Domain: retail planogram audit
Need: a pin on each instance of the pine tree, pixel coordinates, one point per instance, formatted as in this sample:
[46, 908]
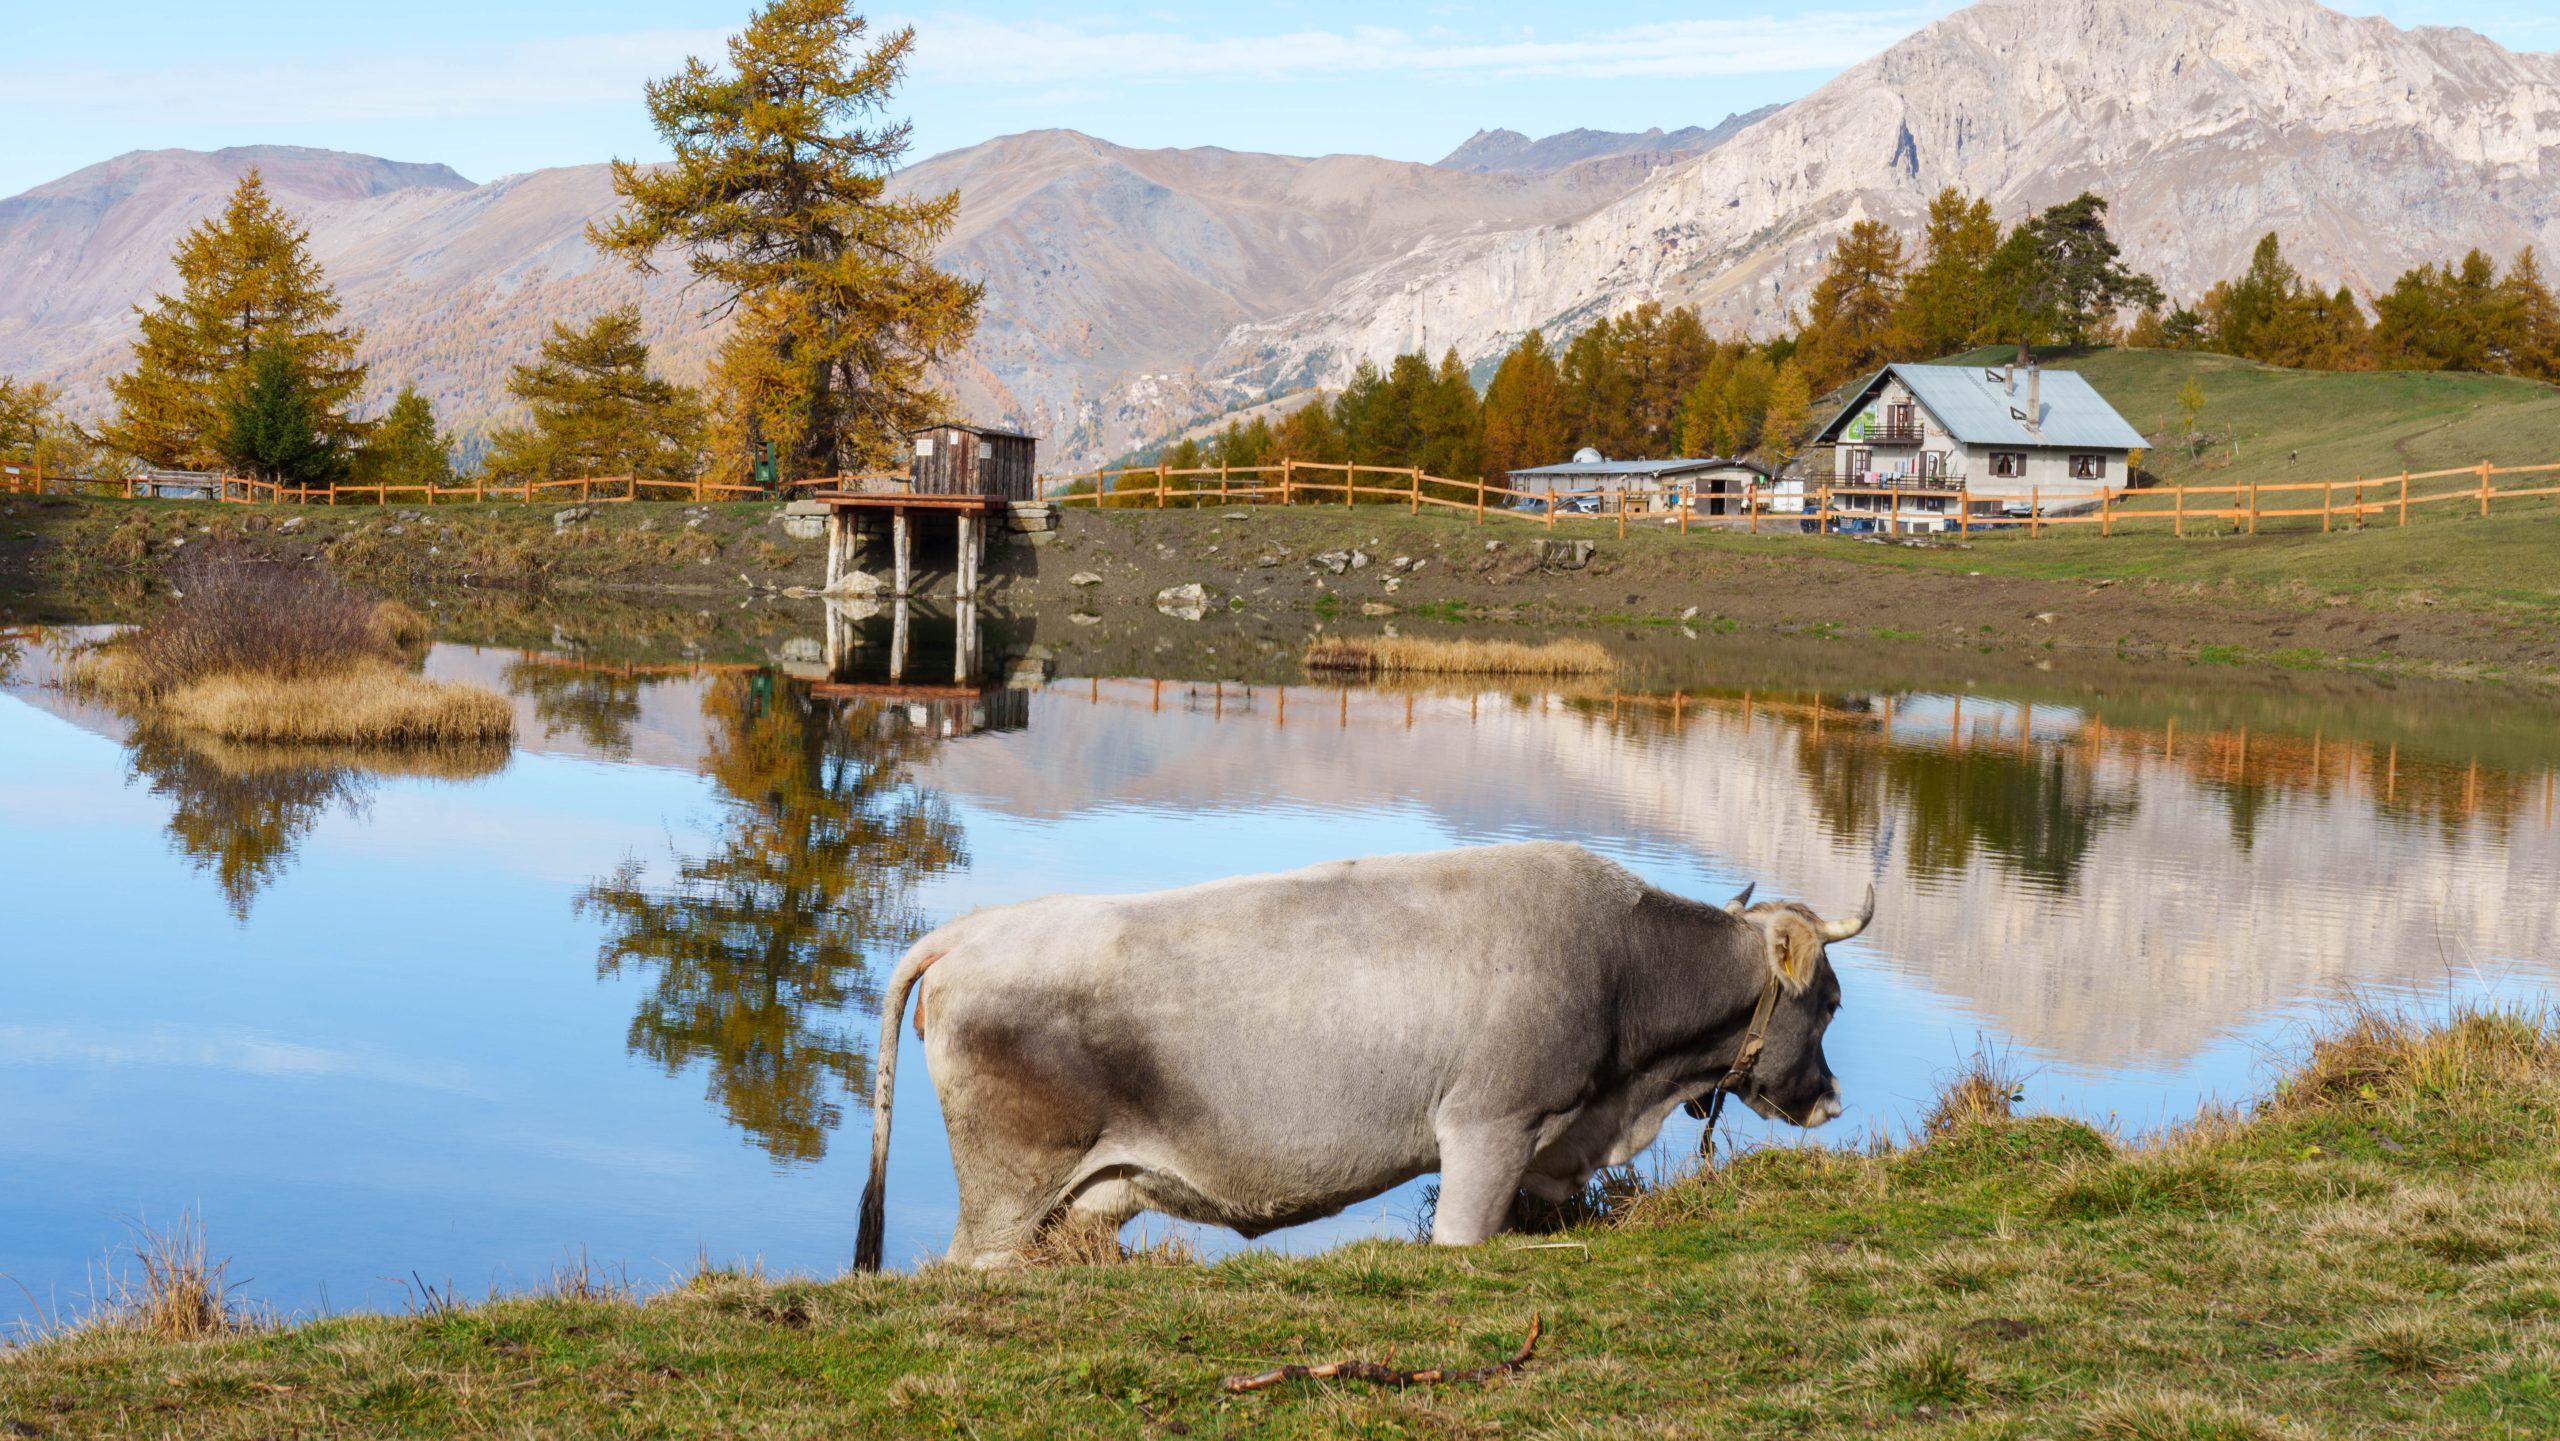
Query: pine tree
[2060, 276]
[1449, 423]
[273, 425]
[1524, 415]
[779, 197]
[1945, 304]
[597, 411]
[406, 448]
[2257, 317]
[246, 284]
[1849, 328]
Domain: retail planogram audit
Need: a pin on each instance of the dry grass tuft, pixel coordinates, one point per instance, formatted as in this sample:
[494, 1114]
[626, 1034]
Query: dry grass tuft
[399, 627]
[370, 704]
[1082, 1240]
[2179, 1416]
[247, 761]
[181, 1292]
[1409, 655]
[2378, 1054]
[1987, 1087]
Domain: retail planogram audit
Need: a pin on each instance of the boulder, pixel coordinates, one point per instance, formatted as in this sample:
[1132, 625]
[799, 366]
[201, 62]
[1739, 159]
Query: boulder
[290, 525]
[1184, 602]
[1562, 554]
[1359, 560]
[1084, 578]
[855, 583]
[568, 516]
[1336, 561]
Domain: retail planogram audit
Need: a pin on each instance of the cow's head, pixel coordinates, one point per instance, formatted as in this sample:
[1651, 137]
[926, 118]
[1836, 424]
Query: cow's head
[1793, 1080]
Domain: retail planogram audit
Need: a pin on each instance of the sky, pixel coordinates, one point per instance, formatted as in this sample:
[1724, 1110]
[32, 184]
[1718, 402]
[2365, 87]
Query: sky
[495, 87]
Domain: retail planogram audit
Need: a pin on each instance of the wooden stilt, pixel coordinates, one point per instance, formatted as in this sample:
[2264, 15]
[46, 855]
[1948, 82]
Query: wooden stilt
[901, 545]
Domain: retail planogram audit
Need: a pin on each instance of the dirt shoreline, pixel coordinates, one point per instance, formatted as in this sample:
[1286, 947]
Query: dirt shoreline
[1372, 567]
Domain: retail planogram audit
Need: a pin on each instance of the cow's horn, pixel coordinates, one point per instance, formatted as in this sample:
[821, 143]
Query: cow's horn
[1738, 902]
[1843, 930]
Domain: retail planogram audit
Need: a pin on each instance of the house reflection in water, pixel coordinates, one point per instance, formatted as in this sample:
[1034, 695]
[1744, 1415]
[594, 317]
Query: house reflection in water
[898, 653]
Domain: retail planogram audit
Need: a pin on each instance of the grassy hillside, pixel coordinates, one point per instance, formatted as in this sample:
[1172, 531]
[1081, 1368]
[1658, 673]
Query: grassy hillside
[2373, 1253]
[2339, 425]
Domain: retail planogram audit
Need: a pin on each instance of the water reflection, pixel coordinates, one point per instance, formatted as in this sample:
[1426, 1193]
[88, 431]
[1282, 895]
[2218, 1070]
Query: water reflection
[595, 704]
[761, 954]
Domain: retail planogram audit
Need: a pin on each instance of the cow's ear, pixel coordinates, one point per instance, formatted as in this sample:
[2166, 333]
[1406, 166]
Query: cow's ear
[1793, 948]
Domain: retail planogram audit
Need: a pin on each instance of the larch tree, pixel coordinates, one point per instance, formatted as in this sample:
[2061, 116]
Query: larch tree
[406, 448]
[597, 411]
[1790, 414]
[26, 409]
[2534, 317]
[1946, 304]
[778, 197]
[1524, 415]
[247, 283]
[1449, 423]
[1849, 326]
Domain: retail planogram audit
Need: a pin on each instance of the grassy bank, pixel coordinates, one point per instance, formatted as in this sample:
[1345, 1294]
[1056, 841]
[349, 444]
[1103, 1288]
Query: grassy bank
[2375, 1251]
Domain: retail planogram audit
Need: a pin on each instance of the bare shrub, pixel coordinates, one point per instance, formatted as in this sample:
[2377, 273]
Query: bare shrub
[237, 615]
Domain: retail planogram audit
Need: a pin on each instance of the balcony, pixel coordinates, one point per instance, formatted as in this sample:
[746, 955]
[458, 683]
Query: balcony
[1911, 434]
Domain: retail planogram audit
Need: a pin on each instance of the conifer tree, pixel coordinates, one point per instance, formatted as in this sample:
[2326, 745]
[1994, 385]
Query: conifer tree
[1706, 426]
[1946, 304]
[273, 427]
[597, 411]
[2060, 277]
[779, 198]
[246, 283]
[1524, 419]
[406, 448]
[25, 411]
[1309, 434]
[2534, 319]
[1449, 423]
[1849, 328]
[1790, 414]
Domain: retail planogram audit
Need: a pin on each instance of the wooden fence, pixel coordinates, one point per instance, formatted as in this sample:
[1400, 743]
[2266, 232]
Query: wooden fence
[29, 479]
[2242, 508]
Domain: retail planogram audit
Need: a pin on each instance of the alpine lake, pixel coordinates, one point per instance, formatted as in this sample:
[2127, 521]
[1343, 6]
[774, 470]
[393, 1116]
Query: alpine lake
[392, 1024]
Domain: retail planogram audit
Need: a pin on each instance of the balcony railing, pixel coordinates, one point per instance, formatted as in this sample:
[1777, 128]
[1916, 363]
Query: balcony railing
[1896, 434]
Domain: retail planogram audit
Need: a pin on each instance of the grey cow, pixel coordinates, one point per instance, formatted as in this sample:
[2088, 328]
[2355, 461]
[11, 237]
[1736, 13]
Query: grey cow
[1263, 1051]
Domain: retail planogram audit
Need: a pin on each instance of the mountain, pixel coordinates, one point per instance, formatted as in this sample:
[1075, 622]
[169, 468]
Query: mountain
[2206, 123]
[1513, 152]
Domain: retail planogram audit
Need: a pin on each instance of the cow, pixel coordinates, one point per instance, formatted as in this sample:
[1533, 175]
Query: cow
[1263, 1051]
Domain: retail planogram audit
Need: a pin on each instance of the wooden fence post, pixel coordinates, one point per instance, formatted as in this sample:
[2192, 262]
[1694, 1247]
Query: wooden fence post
[1964, 510]
[2035, 510]
[1288, 478]
[2404, 497]
[2359, 502]
[2253, 507]
[1222, 482]
[1622, 512]
[2328, 491]
[2106, 514]
[1415, 472]
[1479, 497]
[2484, 490]
[1349, 475]
[1751, 506]
[1822, 526]
[1685, 501]
[2178, 525]
[1160, 483]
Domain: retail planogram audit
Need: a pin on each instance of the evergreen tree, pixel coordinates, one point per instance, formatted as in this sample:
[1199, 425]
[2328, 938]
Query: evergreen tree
[2150, 330]
[1706, 421]
[1945, 302]
[25, 411]
[2259, 316]
[2060, 277]
[273, 425]
[406, 448]
[246, 284]
[1309, 434]
[2535, 317]
[1849, 330]
[597, 411]
[1599, 393]
[1241, 446]
[1449, 423]
[779, 196]
[1524, 410]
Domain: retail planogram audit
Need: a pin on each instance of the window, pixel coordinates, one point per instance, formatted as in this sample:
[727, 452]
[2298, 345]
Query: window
[2088, 467]
[1860, 462]
[2008, 465]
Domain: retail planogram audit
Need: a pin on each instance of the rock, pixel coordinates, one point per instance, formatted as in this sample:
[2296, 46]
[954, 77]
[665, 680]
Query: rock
[694, 524]
[1359, 560]
[1238, 515]
[1492, 545]
[1336, 561]
[818, 508]
[856, 582]
[395, 529]
[1184, 602]
[1085, 617]
[1400, 562]
[1690, 614]
[1376, 607]
[855, 609]
[290, 525]
[1084, 577]
[2047, 617]
[1418, 565]
[1266, 560]
[571, 515]
[648, 523]
[1562, 554]
[798, 527]
[1394, 584]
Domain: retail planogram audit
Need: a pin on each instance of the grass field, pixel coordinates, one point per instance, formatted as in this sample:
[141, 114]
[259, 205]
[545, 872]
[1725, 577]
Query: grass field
[2375, 1251]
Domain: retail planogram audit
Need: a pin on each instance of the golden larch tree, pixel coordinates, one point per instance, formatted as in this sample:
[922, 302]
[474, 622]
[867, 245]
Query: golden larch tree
[779, 199]
[247, 283]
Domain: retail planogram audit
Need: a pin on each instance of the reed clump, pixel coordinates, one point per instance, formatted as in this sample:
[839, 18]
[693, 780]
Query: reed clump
[280, 654]
[1366, 655]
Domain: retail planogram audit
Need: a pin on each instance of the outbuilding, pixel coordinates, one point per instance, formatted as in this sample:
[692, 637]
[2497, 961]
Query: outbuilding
[1913, 439]
[1711, 485]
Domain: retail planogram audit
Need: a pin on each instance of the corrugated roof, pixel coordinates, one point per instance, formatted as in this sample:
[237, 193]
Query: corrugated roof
[1576, 469]
[1976, 407]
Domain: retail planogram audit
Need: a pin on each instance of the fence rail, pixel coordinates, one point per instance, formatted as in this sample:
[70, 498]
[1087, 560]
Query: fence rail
[1824, 508]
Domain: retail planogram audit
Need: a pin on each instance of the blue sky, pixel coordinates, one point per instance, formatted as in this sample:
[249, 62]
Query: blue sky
[493, 87]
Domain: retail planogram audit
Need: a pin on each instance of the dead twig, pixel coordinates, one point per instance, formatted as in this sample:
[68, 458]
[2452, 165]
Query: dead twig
[1377, 1375]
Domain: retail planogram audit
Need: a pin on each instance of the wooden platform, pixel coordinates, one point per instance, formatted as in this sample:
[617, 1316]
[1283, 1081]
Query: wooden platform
[969, 515]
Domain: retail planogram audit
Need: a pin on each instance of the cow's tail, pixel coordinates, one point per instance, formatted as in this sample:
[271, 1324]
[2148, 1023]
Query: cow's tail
[884, 1075]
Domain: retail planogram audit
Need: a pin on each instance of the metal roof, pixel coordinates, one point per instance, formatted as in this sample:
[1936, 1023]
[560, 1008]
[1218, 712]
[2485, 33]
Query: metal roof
[1977, 407]
[1584, 469]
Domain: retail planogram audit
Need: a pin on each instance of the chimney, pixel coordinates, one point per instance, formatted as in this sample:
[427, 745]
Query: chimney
[2035, 397]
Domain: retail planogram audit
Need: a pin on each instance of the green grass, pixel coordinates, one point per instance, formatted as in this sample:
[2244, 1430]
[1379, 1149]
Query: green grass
[2374, 1252]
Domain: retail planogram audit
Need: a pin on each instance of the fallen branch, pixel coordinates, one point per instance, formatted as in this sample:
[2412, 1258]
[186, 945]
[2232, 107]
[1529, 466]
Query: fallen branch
[1377, 1375]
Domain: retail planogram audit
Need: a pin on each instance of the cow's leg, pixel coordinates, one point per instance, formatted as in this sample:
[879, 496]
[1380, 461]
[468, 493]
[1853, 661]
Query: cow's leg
[1003, 1204]
[1481, 1168]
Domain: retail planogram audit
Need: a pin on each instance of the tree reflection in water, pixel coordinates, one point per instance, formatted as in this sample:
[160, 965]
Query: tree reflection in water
[241, 811]
[759, 954]
[2038, 814]
[598, 705]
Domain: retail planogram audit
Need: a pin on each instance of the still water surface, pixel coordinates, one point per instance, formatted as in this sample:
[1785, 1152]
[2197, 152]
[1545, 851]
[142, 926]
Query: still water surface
[615, 988]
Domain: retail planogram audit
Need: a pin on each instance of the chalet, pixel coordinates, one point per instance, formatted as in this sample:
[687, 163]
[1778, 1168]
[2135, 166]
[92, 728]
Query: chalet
[1915, 441]
[1712, 485]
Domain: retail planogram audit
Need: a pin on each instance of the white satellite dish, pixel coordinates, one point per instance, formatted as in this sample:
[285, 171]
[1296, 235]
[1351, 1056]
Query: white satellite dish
[1588, 456]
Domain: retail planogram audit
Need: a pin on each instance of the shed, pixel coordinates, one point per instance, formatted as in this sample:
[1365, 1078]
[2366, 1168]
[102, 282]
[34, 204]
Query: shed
[974, 460]
[1714, 485]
